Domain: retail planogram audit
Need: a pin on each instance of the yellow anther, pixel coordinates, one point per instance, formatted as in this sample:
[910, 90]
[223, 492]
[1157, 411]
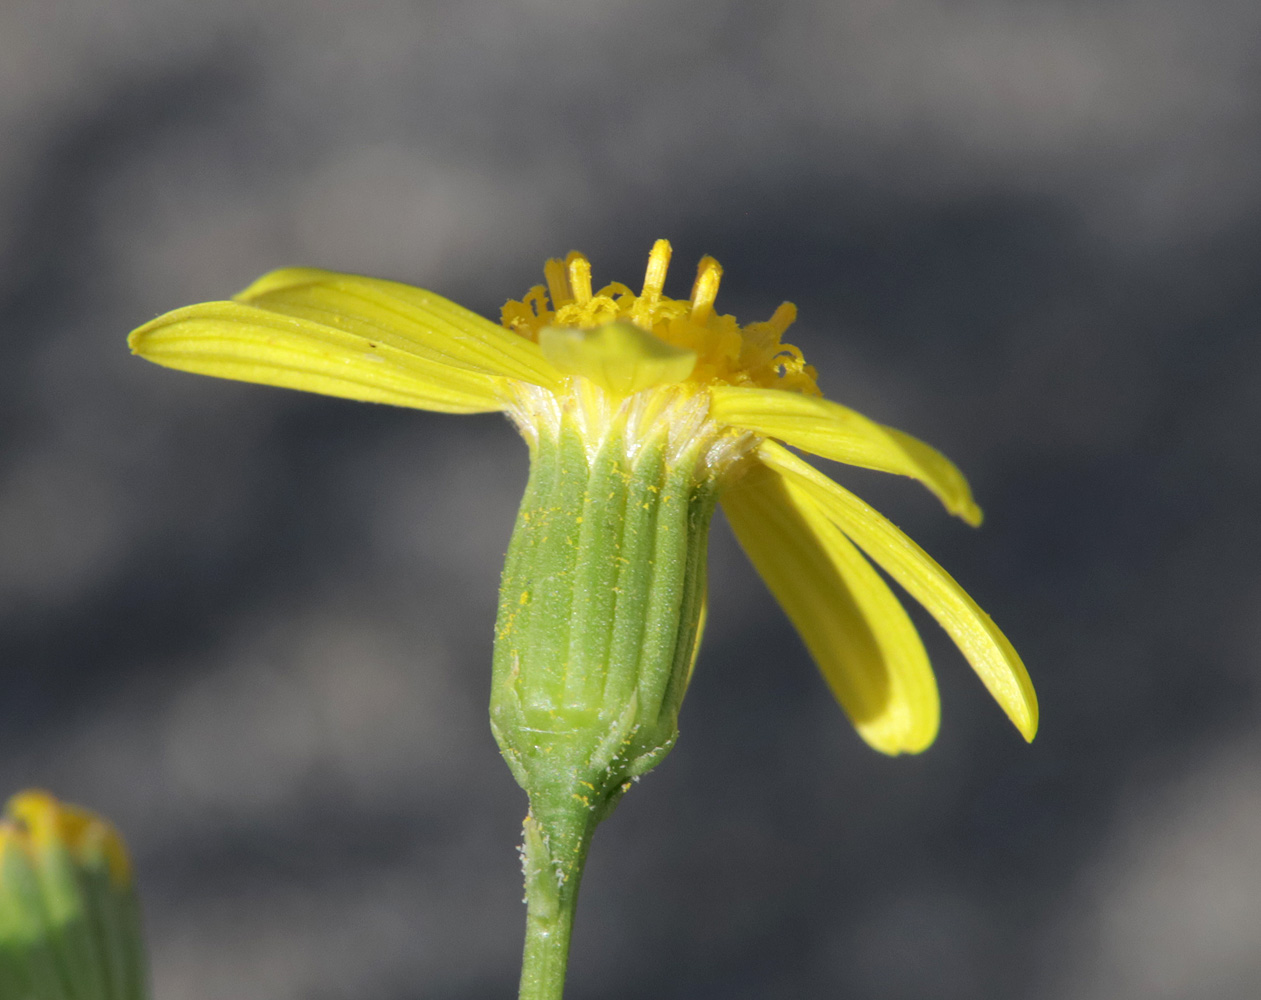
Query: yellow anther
[705, 289]
[554, 272]
[578, 269]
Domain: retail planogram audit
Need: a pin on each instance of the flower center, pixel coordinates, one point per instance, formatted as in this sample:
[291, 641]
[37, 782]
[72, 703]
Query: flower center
[724, 352]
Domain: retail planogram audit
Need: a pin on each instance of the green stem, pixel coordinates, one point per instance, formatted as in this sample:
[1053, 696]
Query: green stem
[553, 854]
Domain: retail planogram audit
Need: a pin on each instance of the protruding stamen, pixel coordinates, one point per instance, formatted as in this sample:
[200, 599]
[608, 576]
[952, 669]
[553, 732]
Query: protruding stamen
[705, 289]
[654, 281]
[557, 283]
[579, 270]
[782, 319]
[655, 278]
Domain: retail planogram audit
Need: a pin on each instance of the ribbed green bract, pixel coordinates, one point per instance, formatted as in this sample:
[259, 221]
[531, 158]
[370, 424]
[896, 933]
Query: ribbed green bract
[600, 612]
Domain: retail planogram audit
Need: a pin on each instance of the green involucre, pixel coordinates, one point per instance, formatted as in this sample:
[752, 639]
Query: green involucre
[600, 608]
[600, 612]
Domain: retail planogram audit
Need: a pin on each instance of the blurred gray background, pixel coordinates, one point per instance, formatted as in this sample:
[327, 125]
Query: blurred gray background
[254, 626]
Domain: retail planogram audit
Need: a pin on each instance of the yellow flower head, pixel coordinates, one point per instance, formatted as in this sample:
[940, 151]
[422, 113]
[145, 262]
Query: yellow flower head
[616, 365]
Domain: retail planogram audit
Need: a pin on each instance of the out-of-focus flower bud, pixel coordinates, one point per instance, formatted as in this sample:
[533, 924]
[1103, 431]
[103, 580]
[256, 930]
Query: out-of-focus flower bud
[69, 921]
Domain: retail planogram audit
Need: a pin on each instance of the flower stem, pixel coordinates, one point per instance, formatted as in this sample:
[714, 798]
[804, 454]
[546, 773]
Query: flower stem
[554, 851]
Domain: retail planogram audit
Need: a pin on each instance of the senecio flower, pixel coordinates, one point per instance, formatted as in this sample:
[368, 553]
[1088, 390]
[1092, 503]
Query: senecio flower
[642, 413]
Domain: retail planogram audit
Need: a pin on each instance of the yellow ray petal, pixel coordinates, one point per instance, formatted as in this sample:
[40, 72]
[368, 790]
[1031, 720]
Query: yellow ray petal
[830, 430]
[978, 638]
[404, 316]
[855, 628]
[701, 622]
[233, 340]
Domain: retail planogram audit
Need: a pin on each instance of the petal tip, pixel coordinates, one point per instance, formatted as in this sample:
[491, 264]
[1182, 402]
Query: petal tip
[1022, 708]
[1029, 726]
[137, 340]
[1019, 701]
[914, 732]
[908, 743]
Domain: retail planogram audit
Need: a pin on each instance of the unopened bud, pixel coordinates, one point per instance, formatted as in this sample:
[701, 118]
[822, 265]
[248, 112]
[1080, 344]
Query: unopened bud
[69, 920]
